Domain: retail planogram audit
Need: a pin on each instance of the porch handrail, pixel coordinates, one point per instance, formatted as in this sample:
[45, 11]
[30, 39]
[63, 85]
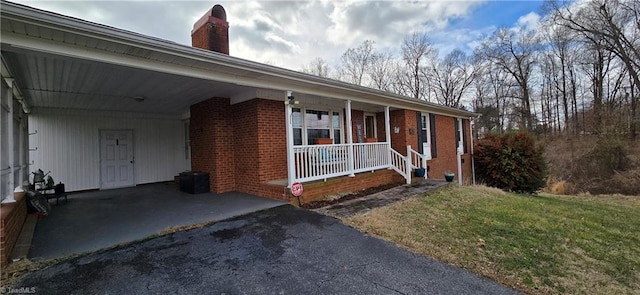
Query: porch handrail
[399, 164]
[417, 160]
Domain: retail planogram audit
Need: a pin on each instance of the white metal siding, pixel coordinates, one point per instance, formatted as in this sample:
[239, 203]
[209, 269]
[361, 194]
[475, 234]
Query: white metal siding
[68, 145]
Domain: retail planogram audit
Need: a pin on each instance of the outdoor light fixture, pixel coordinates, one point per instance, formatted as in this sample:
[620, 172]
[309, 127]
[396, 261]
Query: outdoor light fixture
[290, 99]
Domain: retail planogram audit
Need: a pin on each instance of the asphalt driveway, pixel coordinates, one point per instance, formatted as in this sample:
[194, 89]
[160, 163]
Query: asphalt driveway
[283, 250]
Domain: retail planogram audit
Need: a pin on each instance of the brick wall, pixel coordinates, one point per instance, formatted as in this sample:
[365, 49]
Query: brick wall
[318, 190]
[212, 142]
[260, 145]
[272, 140]
[446, 159]
[13, 216]
[408, 135]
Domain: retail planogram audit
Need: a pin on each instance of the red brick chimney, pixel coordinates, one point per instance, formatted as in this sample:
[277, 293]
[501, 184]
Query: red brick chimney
[211, 31]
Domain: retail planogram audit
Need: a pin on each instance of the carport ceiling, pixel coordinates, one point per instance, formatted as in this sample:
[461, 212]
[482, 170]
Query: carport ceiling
[55, 81]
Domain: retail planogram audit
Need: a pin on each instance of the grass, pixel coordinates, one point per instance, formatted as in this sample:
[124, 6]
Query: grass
[537, 244]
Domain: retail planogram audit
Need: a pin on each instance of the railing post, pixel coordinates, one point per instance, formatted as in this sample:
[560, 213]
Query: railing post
[350, 158]
[407, 173]
[424, 165]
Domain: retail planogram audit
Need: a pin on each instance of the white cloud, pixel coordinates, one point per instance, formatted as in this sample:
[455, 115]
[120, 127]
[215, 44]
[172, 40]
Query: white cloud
[292, 33]
[529, 21]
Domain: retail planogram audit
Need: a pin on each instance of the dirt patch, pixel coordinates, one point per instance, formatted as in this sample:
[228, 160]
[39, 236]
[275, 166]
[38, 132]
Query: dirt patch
[351, 196]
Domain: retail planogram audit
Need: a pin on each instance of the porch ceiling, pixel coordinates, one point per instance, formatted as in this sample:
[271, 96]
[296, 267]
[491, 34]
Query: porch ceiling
[56, 81]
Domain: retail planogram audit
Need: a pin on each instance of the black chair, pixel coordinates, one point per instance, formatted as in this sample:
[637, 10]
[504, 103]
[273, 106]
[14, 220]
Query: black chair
[59, 192]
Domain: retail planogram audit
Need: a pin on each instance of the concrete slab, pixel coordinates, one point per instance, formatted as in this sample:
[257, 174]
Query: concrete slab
[283, 250]
[365, 204]
[94, 220]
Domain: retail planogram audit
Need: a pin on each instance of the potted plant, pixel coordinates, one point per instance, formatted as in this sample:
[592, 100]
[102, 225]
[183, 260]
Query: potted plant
[419, 172]
[448, 176]
[324, 141]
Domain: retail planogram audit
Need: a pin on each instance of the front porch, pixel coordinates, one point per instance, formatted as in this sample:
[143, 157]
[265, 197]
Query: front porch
[355, 140]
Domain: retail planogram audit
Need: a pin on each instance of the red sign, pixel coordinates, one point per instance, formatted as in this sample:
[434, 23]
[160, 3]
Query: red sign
[296, 189]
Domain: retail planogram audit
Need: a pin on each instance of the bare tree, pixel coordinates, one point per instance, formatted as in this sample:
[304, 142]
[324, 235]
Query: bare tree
[514, 52]
[383, 71]
[596, 63]
[318, 66]
[451, 77]
[416, 51]
[493, 89]
[562, 49]
[613, 24]
[356, 62]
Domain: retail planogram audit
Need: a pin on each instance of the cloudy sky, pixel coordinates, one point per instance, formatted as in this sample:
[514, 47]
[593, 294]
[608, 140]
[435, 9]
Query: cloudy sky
[291, 33]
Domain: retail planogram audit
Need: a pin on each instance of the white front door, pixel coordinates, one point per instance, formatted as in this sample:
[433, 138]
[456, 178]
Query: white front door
[116, 159]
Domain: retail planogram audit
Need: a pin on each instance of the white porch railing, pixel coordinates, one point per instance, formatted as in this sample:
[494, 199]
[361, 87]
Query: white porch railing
[370, 156]
[399, 164]
[417, 160]
[315, 162]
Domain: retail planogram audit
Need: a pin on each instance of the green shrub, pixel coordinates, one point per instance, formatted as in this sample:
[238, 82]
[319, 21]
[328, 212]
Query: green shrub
[511, 162]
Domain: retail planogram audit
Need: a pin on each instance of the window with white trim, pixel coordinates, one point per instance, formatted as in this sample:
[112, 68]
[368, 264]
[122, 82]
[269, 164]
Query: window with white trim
[312, 124]
[425, 135]
[370, 126]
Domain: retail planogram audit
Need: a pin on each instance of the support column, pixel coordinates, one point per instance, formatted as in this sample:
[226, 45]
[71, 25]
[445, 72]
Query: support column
[387, 128]
[12, 159]
[460, 150]
[349, 138]
[291, 164]
[473, 165]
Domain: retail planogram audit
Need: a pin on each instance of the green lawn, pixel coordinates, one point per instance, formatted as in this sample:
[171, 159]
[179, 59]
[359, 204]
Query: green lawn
[536, 244]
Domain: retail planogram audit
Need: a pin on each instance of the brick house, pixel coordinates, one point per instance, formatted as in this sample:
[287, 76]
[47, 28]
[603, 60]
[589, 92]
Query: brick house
[104, 108]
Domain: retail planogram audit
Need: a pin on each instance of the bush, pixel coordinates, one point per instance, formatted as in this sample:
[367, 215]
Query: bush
[512, 162]
[607, 168]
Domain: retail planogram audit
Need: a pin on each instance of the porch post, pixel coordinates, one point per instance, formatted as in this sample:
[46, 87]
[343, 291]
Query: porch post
[291, 169]
[387, 129]
[460, 150]
[349, 138]
[11, 132]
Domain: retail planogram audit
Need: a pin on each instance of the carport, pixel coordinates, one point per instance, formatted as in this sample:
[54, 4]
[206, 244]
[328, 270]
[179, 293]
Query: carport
[101, 219]
[87, 89]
